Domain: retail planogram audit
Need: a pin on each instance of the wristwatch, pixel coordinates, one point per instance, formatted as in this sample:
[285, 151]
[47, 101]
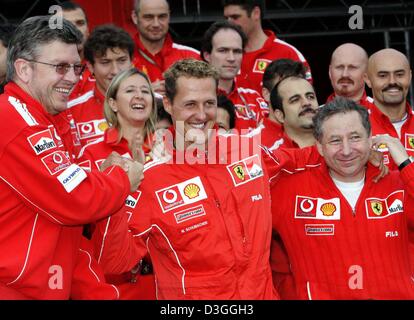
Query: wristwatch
[405, 163]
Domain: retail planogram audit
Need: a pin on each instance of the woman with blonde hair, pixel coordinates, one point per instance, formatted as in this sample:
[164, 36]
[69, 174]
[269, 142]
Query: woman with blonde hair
[130, 110]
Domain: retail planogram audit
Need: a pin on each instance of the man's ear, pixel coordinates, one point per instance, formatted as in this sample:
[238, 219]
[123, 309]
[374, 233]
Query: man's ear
[207, 56]
[256, 13]
[23, 70]
[279, 116]
[167, 105]
[366, 79]
[90, 66]
[319, 147]
[266, 94]
[134, 17]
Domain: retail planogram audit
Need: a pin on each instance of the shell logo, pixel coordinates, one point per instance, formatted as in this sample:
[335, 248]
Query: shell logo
[192, 190]
[103, 126]
[328, 209]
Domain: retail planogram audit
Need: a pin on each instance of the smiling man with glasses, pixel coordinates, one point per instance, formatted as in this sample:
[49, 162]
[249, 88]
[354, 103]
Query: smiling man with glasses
[45, 197]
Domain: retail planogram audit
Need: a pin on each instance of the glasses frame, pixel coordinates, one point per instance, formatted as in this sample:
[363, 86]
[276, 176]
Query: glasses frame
[63, 68]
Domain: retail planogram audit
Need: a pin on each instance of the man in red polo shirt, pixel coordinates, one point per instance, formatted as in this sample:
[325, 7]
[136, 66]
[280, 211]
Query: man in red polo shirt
[347, 71]
[346, 236]
[155, 50]
[222, 47]
[262, 47]
[389, 77]
[108, 51]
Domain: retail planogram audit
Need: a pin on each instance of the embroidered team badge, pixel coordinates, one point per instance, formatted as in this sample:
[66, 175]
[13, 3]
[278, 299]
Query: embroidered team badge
[260, 65]
[245, 170]
[317, 208]
[238, 170]
[377, 208]
[409, 142]
[181, 194]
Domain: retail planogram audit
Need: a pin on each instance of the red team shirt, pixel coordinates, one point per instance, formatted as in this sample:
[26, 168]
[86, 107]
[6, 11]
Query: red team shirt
[327, 241]
[155, 65]
[87, 111]
[255, 62]
[201, 223]
[51, 223]
[249, 105]
[381, 124]
[131, 286]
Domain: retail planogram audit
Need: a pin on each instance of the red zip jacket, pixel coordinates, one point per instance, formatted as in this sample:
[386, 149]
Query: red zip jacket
[338, 253]
[207, 227]
[255, 62]
[86, 83]
[88, 112]
[45, 198]
[130, 285]
[155, 65]
[365, 101]
[381, 124]
[249, 105]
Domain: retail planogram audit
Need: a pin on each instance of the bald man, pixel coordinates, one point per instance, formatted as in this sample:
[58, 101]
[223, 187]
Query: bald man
[347, 71]
[154, 49]
[389, 77]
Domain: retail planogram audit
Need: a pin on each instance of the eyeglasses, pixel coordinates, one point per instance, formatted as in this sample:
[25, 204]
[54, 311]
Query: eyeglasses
[63, 68]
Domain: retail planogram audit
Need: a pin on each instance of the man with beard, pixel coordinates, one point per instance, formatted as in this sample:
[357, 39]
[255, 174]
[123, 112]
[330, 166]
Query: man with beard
[293, 104]
[154, 49]
[389, 77]
[347, 70]
[223, 46]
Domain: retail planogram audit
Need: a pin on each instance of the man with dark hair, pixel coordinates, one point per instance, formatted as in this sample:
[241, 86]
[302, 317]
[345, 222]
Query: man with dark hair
[45, 196]
[278, 70]
[262, 46]
[222, 47]
[204, 215]
[108, 50]
[293, 103]
[346, 236]
[155, 50]
[74, 13]
[6, 31]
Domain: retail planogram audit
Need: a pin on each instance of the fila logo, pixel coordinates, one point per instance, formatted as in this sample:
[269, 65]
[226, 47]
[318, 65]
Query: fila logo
[391, 234]
[42, 141]
[257, 197]
[181, 194]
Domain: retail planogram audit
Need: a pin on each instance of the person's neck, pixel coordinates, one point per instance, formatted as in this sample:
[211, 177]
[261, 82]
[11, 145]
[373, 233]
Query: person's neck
[152, 46]
[131, 133]
[2, 79]
[394, 113]
[226, 85]
[256, 40]
[303, 138]
[357, 178]
[354, 97]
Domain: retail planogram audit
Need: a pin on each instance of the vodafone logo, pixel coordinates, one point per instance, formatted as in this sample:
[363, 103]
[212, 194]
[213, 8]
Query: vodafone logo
[86, 128]
[57, 158]
[169, 196]
[307, 205]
